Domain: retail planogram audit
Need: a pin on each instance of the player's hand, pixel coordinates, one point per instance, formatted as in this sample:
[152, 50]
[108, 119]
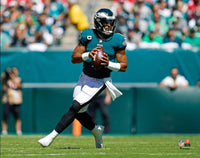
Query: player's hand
[93, 52]
[105, 60]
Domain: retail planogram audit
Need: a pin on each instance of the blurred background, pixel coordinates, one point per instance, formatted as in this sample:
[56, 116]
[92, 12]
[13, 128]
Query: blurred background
[38, 37]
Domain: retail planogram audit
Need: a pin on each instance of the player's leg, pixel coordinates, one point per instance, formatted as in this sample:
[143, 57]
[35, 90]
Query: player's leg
[84, 95]
[92, 109]
[65, 121]
[68, 117]
[79, 104]
[97, 130]
[86, 120]
[6, 111]
[16, 114]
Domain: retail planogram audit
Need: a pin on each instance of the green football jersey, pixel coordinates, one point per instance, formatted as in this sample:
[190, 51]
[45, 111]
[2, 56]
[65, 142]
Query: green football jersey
[91, 40]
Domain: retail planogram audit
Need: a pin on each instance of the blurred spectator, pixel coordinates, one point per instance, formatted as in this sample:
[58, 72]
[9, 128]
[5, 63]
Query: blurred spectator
[151, 40]
[174, 80]
[178, 22]
[122, 26]
[2, 9]
[143, 24]
[11, 98]
[76, 16]
[178, 32]
[42, 25]
[36, 6]
[5, 39]
[182, 8]
[8, 25]
[39, 43]
[52, 17]
[170, 40]
[119, 6]
[134, 36]
[144, 11]
[54, 8]
[46, 29]
[156, 8]
[57, 16]
[14, 11]
[191, 40]
[158, 24]
[193, 8]
[164, 11]
[19, 38]
[27, 13]
[31, 28]
[101, 102]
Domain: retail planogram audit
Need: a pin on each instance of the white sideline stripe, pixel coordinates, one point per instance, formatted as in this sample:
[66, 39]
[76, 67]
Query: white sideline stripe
[71, 85]
[48, 85]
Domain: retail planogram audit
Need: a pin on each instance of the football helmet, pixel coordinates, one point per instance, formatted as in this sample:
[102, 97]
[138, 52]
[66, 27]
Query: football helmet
[105, 17]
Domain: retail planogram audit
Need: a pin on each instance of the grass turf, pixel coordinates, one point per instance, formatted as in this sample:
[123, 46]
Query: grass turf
[140, 146]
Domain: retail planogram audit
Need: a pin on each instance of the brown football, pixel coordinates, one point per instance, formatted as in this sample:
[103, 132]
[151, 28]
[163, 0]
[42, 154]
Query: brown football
[97, 59]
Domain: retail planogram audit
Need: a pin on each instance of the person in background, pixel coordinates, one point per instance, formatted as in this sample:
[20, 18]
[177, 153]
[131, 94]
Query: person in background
[174, 80]
[151, 40]
[170, 37]
[77, 16]
[11, 98]
[8, 25]
[46, 29]
[5, 39]
[19, 38]
[122, 26]
[39, 43]
[158, 24]
[192, 39]
[170, 40]
[101, 102]
[134, 36]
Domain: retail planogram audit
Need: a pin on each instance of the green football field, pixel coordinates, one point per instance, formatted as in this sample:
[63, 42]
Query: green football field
[67, 146]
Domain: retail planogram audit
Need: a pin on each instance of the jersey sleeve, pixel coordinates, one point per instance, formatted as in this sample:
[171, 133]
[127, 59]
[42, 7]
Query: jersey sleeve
[121, 42]
[83, 37]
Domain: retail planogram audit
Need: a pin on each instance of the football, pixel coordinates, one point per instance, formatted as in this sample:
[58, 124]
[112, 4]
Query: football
[97, 59]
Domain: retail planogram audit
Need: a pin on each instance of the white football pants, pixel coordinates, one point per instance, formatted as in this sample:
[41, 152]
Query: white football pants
[86, 88]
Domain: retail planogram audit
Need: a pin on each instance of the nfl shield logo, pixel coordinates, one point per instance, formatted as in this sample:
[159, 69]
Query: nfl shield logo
[181, 143]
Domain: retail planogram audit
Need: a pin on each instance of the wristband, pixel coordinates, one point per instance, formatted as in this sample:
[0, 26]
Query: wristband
[114, 66]
[85, 56]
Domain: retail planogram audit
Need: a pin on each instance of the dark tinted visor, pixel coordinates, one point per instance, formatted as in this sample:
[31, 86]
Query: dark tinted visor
[105, 21]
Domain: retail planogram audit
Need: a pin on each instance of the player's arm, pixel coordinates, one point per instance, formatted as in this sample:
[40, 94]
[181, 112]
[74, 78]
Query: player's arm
[79, 54]
[122, 59]
[121, 64]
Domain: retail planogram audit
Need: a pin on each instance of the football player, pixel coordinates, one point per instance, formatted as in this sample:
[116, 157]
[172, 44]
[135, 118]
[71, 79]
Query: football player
[92, 81]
